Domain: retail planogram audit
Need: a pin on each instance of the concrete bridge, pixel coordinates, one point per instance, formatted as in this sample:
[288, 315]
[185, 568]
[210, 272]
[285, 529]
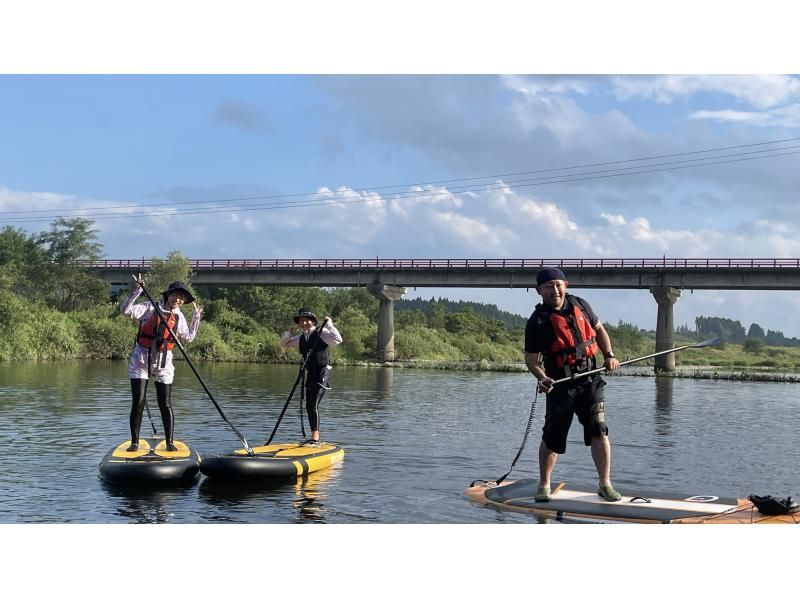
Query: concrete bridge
[387, 279]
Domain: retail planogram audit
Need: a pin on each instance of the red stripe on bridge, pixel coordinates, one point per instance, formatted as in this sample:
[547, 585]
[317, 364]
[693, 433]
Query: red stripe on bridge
[433, 263]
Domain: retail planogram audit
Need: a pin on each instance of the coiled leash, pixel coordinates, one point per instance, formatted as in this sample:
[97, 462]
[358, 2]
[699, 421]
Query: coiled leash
[528, 428]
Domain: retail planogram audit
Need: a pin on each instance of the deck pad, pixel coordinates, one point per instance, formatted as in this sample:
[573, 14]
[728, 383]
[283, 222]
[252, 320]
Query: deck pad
[635, 504]
[122, 452]
[287, 450]
[182, 453]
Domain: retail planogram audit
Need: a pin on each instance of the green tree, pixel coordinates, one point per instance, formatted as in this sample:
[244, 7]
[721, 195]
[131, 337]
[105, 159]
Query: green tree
[463, 323]
[358, 333]
[69, 286]
[728, 330]
[23, 263]
[436, 315]
[163, 272]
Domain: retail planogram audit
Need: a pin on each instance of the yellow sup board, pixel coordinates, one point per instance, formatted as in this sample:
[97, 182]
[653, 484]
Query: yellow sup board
[271, 461]
[151, 464]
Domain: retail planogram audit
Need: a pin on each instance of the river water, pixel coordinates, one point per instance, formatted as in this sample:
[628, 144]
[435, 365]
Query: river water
[413, 439]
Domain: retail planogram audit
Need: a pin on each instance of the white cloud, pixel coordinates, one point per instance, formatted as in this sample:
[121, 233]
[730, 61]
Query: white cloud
[349, 216]
[473, 235]
[404, 204]
[761, 91]
[731, 116]
[23, 201]
[546, 85]
[558, 114]
[786, 116]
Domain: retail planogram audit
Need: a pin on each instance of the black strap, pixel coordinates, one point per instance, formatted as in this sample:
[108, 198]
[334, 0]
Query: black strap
[524, 438]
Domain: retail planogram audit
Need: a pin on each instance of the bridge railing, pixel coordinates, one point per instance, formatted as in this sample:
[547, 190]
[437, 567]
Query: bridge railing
[429, 263]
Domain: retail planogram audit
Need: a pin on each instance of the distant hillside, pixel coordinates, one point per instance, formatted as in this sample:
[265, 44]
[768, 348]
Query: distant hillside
[486, 311]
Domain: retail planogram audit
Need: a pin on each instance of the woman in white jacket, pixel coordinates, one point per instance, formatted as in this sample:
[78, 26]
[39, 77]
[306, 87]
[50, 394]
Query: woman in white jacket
[152, 352]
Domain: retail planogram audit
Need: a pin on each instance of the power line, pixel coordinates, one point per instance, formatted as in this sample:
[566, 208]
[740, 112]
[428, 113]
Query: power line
[439, 182]
[578, 177]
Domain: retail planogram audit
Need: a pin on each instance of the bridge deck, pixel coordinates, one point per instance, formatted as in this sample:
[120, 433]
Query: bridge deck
[609, 273]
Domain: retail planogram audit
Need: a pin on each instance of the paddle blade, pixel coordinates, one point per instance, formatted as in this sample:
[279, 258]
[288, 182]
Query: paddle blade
[709, 343]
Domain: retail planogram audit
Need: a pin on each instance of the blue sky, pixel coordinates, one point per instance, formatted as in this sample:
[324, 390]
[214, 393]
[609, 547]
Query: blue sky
[111, 136]
[100, 141]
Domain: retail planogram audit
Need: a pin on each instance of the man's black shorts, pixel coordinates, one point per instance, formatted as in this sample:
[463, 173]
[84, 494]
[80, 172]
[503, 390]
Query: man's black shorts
[584, 398]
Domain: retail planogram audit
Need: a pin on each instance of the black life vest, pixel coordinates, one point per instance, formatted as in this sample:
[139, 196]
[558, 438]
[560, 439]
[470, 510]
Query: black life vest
[319, 356]
[574, 341]
[152, 330]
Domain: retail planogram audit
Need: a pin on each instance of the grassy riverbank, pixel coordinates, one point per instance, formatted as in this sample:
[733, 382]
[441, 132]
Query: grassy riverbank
[460, 341]
[50, 309]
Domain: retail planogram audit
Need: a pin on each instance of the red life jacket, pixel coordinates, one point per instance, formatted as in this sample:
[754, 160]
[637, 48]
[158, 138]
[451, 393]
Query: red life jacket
[575, 339]
[153, 329]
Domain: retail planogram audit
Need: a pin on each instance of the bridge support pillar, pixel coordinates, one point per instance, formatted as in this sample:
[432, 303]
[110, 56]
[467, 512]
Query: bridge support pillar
[387, 294]
[666, 298]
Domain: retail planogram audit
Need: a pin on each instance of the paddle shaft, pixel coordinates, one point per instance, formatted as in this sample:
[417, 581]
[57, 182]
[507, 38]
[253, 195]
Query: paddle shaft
[629, 361]
[296, 382]
[191, 365]
[150, 417]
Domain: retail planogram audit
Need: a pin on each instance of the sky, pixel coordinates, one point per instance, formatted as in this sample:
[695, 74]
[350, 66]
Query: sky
[417, 166]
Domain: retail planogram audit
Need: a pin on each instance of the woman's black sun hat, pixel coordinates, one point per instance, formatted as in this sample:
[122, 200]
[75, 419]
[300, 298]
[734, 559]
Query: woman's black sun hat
[304, 312]
[178, 286]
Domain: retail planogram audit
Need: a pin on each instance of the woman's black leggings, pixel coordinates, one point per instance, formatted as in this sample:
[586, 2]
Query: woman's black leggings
[317, 382]
[164, 395]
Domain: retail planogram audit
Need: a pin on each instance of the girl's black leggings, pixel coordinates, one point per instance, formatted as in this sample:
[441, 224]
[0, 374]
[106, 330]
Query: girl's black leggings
[317, 382]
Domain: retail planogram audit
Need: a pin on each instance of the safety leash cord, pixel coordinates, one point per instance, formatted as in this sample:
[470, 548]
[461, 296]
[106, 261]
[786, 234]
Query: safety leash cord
[521, 448]
[524, 438]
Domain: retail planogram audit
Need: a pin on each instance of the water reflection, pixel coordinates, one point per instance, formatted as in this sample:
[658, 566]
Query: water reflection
[385, 382]
[308, 494]
[143, 506]
[664, 403]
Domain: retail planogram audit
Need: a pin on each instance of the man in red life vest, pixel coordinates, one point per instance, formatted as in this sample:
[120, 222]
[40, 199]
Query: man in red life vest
[562, 338]
[152, 352]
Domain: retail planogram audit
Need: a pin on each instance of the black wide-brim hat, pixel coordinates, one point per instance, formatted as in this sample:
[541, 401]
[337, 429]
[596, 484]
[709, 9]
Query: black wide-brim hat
[304, 312]
[178, 286]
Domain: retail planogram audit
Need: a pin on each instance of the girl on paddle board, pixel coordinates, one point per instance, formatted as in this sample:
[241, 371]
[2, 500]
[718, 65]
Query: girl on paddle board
[313, 344]
[152, 351]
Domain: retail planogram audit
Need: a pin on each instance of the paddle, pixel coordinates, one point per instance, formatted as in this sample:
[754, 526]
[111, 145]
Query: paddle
[191, 365]
[150, 417]
[707, 343]
[296, 382]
